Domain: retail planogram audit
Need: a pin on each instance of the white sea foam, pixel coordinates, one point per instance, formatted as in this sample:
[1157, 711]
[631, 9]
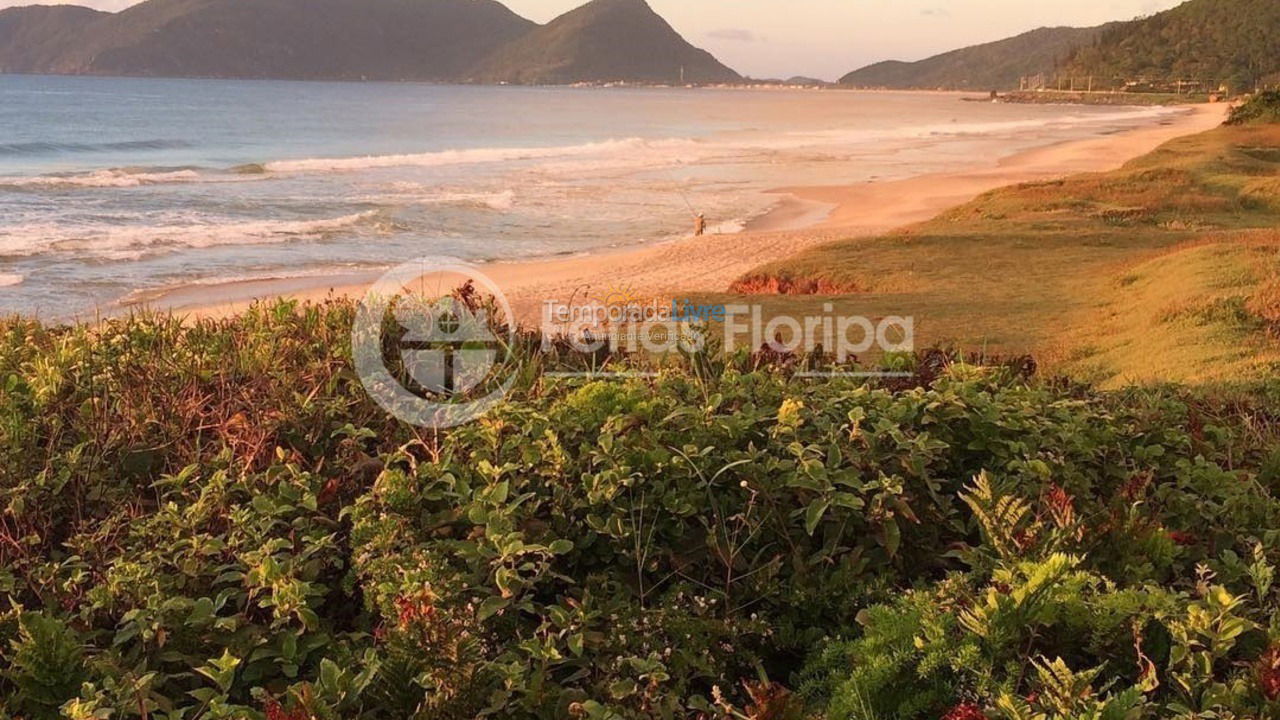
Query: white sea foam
[953, 129]
[135, 177]
[636, 148]
[120, 178]
[144, 295]
[412, 192]
[631, 152]
[112, 242]
[833, 144]
[728, 227]
[494, 201]
[10, 279]
[473, 156]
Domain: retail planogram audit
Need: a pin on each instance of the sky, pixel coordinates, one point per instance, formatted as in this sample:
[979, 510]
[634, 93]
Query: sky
[828, 38]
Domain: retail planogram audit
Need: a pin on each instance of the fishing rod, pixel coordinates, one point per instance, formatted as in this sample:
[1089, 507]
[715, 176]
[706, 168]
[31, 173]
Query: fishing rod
[680, 189]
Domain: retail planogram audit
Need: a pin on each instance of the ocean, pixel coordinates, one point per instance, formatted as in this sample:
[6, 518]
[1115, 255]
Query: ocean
[113, 188]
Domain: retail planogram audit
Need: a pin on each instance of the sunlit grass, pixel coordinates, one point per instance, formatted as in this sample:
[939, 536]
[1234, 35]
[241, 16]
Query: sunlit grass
[1058, 268]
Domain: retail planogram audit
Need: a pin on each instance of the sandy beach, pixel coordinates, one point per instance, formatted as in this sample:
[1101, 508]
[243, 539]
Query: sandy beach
[805, 216]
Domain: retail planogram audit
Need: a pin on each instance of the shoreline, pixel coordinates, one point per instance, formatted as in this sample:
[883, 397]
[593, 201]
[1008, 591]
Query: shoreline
[804, 216]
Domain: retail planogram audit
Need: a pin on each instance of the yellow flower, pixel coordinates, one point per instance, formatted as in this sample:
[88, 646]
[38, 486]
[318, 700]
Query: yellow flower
[789, 413]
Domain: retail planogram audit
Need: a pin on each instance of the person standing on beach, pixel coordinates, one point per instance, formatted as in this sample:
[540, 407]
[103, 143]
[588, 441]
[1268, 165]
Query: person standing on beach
[699, 224]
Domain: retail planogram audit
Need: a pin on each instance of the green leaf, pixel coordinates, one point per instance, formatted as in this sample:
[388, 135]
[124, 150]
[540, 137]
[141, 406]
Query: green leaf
[221, 670]
[329, 674]
[813, 514]
[500, 492]
[505, 579]
[848, 500]
[201, 611]
[892, 536]
[490, 607]
[622, 688]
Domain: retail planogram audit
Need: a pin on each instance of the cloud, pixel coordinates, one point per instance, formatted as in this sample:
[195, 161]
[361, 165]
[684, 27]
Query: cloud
[935, 12]
[736, 34]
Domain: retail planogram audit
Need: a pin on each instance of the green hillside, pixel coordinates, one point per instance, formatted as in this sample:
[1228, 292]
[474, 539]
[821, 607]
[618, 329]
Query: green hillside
[604, 40]
[1235, 42]
[32, 37]
[300, 39]
[433, 40]
[991, 66]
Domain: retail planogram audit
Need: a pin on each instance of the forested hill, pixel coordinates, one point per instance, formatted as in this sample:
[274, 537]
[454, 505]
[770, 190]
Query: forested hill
[433, 40]
[603, 40]
[32, 38]
[295, 39]
[1236, 42]
[991, 66]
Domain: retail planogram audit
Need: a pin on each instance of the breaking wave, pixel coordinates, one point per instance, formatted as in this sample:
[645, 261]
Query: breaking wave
[472, 156]
[418, 193]
[128, 243]
[632, 151]
[116, 178]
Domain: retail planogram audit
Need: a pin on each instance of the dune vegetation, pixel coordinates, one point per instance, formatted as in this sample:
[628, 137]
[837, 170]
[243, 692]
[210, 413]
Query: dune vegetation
[213, 520]
[1163, 270]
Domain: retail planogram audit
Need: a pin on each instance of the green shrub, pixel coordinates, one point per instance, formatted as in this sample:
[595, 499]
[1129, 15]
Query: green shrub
[1042, 635]
[46, 665]
[1264, 107]
[214, 520]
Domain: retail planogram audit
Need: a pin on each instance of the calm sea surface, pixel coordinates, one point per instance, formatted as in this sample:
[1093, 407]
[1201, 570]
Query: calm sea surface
[113, 186]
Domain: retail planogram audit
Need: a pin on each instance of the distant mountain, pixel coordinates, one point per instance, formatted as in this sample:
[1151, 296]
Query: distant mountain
[1211, 41]
[32, 38]
[604, 40]
[991, 66]
[304, 39]
[804, 80]
[434, 40]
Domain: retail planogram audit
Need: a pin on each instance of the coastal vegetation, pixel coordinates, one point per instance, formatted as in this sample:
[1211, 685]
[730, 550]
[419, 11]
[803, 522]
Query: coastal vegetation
[1205, 42]
[1085, 97]
[1162, 270]
[212, 519]
[1198, 47]
[998, 65]
[1263, 108]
